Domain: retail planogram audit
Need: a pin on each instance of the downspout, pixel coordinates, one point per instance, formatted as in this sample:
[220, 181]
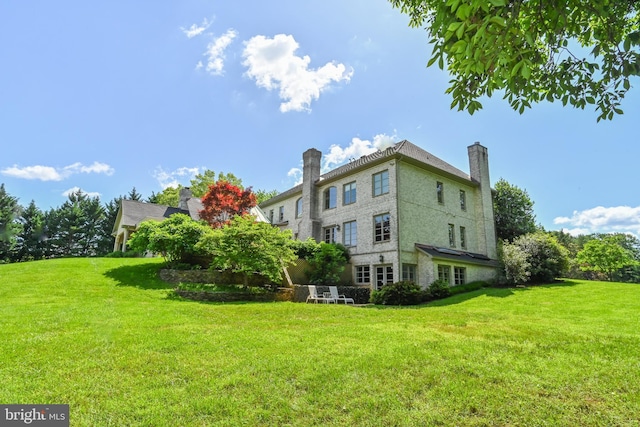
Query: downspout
[397, 214]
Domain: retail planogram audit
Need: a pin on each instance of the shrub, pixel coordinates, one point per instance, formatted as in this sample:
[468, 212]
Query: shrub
[438, 290]
[535, 257]
[399, 293]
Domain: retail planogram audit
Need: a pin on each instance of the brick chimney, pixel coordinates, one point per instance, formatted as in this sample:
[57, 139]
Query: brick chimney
[310, 226]
[185, 195]
[485, 221]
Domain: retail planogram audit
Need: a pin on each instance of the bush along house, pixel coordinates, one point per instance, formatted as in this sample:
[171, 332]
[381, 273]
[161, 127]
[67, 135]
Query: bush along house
[403, 213]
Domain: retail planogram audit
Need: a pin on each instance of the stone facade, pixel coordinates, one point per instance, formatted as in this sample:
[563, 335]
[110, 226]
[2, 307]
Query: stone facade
[403, 196]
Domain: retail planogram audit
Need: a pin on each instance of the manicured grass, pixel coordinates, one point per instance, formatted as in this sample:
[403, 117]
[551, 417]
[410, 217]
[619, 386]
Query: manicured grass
[106, 337]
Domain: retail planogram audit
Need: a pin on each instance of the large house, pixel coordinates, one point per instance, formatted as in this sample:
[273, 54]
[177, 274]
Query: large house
[403, 213]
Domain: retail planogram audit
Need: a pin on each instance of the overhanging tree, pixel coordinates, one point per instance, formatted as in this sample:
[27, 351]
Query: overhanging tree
[578, 52]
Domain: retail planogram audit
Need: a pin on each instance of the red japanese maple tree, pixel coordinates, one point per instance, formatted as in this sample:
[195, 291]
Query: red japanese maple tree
[223, 201]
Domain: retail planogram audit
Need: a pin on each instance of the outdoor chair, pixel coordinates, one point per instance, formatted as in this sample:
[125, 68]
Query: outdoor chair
[334, 294]
[313, 296]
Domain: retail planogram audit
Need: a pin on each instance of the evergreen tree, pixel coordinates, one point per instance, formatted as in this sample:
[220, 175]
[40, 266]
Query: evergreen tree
[10, 227]
[30, 240]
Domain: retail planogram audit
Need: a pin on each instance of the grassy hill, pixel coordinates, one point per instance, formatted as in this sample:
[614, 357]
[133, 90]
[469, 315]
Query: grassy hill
[107, 337]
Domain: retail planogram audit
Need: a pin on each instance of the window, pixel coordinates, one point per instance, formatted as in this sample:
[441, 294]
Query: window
[440, 192]
[350, 233]
[463, 200]
[463, 237]
[281, 213]
[299, 207]
[330, 197]
[380, 183]
[444, 273]
[330, 235]
[384, 275]
[459, 275]
[363, 274]
[271, 216]
[382, 228]
[349, 194]
[452, 235]
[409, 273]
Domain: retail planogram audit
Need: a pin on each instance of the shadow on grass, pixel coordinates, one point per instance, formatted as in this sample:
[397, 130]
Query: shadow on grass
[497, 292]
[143, 276]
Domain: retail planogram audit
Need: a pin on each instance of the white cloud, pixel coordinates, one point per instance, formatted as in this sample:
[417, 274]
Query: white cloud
[215, 52]
[296, 174]
[358, 148]
[174, 178]
[76, 189]
[617, 219]
[49, 173]
[274, 65]
[195, 29]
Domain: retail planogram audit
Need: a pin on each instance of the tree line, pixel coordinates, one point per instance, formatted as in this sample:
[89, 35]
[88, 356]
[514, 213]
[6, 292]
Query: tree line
[531, 254]
[82, 225]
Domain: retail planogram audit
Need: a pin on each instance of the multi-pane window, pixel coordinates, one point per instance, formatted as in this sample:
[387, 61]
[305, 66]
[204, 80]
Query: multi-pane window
[330, 198]
[330, 235]
[459, 275]
[363, 274]
[299, 207]
[384, 275]
[409, 273]
[349, 194]
[350, 233]
[452, 235]
[382, 228]
[380, 183]
[444, 273]
[463, 237]
[440, 192]
[463, 200]
[281, 213]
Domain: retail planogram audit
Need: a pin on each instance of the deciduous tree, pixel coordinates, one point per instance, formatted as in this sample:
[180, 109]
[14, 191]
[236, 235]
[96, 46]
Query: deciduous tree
[578, 52]
[246, 246]
[605, 254]
[223, 201]
[513, 210]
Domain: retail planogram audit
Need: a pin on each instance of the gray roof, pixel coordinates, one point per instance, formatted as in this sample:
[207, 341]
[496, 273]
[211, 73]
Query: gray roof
[404, 149]
[456, 255]
[133, 212]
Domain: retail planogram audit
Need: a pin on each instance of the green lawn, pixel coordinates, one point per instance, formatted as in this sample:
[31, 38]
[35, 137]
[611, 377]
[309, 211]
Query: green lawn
[106, 337]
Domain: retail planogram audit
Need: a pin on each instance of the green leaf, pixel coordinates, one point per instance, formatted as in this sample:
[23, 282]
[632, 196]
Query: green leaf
[525, 71]
[498, 3]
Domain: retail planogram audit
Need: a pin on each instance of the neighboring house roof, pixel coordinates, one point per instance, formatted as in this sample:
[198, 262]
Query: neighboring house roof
[133, 212]
[403, 149]
[456, 255]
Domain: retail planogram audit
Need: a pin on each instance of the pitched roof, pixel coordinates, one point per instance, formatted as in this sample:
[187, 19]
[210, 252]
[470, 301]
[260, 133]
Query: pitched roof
[133, 212]
[404, 148]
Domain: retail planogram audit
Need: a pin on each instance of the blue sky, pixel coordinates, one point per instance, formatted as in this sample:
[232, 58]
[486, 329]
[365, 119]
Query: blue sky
[105, 96]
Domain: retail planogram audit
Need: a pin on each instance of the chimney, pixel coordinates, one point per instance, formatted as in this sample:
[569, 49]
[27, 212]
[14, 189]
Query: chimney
[310, 226]
[185, 195]
[485, 222]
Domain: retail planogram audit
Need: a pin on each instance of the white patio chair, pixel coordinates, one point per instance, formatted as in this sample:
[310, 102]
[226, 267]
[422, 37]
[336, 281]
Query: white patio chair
[313, 294]
[334, 294]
